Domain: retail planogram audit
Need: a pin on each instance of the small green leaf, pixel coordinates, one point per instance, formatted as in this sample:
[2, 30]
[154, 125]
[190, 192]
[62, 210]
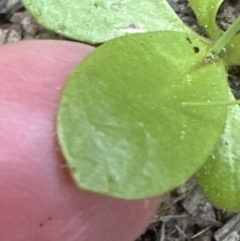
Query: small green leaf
[122, 126]
[206, 12]
[96, 21]
[219, 177]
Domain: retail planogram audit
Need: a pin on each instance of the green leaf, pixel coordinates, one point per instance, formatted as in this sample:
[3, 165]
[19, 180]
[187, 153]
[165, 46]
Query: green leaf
[233, 51]
[206, 13]
[96, 21]
[219, 177]
[122, 126]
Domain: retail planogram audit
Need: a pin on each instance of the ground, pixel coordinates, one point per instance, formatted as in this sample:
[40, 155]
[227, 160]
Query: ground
[185, 214]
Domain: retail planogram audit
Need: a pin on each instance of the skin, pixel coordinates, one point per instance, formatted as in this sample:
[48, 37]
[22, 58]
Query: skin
[38, 199]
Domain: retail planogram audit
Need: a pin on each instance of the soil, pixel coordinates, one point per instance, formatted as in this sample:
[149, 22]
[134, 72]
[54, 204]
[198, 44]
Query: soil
[185, 214]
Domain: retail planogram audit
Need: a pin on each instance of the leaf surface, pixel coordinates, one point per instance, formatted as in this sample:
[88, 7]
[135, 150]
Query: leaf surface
[206, 12]
[96, 21]
[233, 51]
[219, 177]
[122, 126]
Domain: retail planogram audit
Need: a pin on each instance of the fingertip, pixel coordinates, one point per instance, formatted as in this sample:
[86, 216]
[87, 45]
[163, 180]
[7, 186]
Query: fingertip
[40, 201]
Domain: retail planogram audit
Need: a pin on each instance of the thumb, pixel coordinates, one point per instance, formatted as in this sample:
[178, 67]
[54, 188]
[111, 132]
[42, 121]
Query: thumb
[38, 199]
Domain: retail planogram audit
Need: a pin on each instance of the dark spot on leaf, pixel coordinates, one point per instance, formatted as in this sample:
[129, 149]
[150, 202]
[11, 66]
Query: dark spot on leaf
[189, 40]
[226, 143]
[132, 26]
[95, 5]
[196, 49]
[111, 179]
[73, 169]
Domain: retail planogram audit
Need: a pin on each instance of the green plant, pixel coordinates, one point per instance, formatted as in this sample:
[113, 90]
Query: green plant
[149, 107]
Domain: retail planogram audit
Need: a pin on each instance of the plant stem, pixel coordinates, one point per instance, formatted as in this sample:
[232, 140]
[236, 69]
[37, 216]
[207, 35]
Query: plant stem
[226, 37]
